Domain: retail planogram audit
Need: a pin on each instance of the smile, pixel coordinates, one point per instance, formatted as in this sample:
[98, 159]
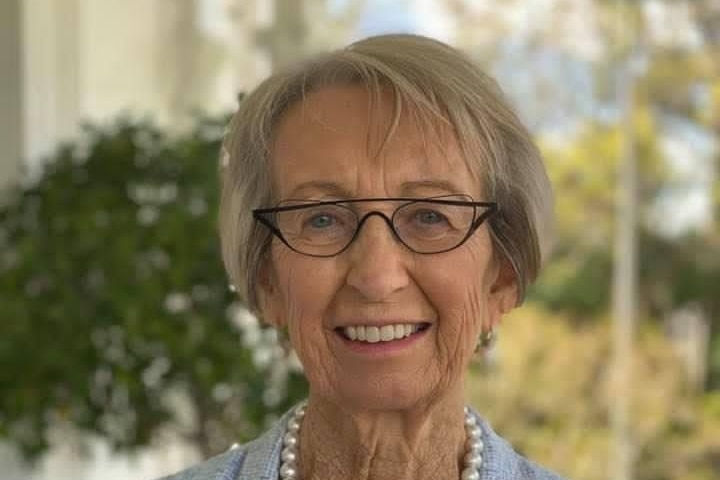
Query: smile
[385, 333]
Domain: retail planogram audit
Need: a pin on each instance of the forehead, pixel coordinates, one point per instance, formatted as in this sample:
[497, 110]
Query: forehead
[346, 136]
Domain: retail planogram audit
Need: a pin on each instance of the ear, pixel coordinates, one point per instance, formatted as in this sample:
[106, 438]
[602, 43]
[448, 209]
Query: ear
[268, 299]
[503, 295]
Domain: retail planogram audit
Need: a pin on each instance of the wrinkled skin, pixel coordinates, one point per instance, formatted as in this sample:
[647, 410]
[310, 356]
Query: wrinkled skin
[398, 416]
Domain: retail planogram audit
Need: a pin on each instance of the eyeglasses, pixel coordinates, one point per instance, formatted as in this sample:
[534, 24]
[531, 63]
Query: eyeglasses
[424, 225]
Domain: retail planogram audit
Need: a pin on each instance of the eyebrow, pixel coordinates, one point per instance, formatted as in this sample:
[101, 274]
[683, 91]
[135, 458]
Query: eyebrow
[430, 184]
[330, 188]
[406, 188]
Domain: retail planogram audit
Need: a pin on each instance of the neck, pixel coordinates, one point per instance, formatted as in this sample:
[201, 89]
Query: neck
[426, 441]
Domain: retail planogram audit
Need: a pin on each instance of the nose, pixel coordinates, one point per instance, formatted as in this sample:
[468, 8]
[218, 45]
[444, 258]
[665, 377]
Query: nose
[377, 261]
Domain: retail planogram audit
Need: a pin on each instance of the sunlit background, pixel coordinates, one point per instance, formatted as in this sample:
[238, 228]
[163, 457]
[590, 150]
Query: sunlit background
[124, 355]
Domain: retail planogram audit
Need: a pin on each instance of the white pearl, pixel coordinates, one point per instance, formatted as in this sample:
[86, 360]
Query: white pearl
[290, 440]
[473, 459]
[474, 432]
[470, 474]
[475, 445]
[470, 421]
[288, 471]
[289, 455]
[293, 426]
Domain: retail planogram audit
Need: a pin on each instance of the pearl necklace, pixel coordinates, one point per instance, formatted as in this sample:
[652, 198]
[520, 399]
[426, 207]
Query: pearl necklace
[472, 460]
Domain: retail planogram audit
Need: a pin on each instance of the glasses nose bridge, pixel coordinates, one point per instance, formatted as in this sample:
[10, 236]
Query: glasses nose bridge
[380, 214]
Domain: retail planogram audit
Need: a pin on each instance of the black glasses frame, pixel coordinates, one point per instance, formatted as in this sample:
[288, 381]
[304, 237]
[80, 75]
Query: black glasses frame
[266, 217]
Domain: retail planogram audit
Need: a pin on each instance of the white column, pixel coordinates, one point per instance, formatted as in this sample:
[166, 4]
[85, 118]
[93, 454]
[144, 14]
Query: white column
[11, 114]
[51, 68]
[148, 58]
[250, 64]
[197, 59]
[122, 60]
[89, 60]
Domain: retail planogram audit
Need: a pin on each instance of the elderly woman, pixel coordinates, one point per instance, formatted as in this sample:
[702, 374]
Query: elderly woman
[382, 206]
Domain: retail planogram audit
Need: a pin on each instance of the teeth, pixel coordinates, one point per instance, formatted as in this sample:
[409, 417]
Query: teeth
[386, 333]
[372, 334]
[351, 332]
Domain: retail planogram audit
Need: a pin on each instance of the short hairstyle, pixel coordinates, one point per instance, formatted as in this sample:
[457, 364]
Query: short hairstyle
[437, 84]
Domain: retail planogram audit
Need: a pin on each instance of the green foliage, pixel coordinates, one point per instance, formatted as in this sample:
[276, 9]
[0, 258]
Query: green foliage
[114, 302]
[549, 390]
[584, 175]
[577, 284]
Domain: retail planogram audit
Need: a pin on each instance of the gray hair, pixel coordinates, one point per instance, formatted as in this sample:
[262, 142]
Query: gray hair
[437, 84]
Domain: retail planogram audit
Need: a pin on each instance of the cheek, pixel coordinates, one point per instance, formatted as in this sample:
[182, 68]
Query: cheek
[458, 290]
[306, 286]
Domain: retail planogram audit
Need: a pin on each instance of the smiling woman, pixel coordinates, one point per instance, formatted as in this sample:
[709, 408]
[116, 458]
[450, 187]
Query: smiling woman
[384, 206]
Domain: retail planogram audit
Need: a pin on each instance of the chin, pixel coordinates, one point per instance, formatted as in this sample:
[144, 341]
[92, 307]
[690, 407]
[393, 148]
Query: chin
[386, 395]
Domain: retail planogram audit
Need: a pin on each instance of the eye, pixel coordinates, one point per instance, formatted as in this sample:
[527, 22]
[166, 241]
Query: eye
[321, 220]
[429, 217]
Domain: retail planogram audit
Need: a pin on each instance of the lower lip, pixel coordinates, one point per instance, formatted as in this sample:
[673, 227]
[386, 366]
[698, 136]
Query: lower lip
[382, 348]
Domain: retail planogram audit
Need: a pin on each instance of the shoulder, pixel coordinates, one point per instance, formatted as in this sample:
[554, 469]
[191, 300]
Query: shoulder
[225, 466]
[502, 462]
[529, 470]
[255, 460]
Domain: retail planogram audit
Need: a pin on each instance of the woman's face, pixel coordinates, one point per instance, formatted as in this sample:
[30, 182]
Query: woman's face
[328, 148]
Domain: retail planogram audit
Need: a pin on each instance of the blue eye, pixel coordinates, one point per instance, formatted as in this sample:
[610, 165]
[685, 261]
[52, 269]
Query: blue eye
[321, 221]
[429, 217]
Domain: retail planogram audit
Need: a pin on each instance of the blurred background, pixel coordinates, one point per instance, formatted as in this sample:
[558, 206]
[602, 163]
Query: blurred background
[124, 355]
